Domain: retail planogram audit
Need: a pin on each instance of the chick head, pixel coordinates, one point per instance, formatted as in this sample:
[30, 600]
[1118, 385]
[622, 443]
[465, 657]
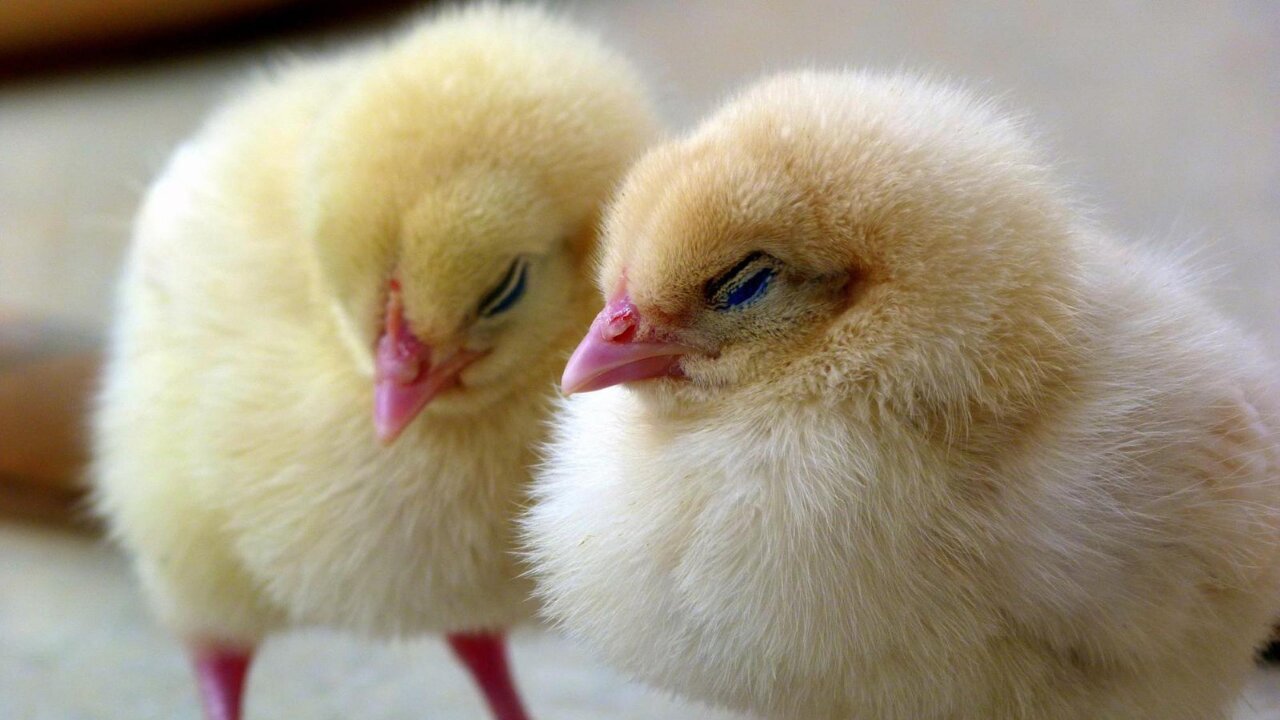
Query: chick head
[833, 233]
[452, 194]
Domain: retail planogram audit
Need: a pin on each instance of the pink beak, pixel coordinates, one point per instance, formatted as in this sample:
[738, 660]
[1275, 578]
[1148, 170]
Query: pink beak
[610, 354]
[406, 378]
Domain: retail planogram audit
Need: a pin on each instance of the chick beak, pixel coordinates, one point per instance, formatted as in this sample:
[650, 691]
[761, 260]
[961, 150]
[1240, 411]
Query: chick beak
[612, 353]
[407, 378]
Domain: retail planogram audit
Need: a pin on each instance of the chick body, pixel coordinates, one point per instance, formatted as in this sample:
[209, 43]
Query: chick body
[236, 459]
[970, 457]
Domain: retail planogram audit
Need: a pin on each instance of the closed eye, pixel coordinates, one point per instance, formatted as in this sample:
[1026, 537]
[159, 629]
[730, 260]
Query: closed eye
[743, 284]
[508, 291]
[750, 289]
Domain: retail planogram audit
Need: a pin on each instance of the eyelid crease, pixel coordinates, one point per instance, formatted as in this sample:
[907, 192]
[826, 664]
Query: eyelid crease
[507, 291]
[719, 282]
[718, 289]
[760, 279]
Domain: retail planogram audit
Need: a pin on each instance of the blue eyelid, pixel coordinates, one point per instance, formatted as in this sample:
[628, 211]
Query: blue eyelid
[508, 292]
[747, 291]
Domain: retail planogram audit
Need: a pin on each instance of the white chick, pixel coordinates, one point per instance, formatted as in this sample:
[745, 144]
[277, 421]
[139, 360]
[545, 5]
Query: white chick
[893, 431]
[400, 233]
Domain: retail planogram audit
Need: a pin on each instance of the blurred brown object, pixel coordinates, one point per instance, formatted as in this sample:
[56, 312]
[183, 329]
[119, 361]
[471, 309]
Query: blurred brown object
[27, 26]
[39, 37]
[47, 375]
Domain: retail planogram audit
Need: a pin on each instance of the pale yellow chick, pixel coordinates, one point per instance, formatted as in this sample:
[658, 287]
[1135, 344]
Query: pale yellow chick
[893, 431]
[340, 324]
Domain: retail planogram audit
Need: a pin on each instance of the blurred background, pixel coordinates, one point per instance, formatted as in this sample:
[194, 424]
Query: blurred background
[1165, 115]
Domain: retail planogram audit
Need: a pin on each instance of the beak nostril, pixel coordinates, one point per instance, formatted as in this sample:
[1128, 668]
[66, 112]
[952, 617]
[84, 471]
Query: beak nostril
[620, 321]
[620, 327]
[401, 359]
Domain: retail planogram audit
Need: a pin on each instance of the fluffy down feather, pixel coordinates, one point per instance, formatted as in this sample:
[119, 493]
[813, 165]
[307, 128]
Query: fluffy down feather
[965, 456]
[236, 459]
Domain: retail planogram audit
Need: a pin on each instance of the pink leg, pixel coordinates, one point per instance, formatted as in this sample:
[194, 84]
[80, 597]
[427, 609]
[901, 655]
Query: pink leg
[485, 655]
[220, 673]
